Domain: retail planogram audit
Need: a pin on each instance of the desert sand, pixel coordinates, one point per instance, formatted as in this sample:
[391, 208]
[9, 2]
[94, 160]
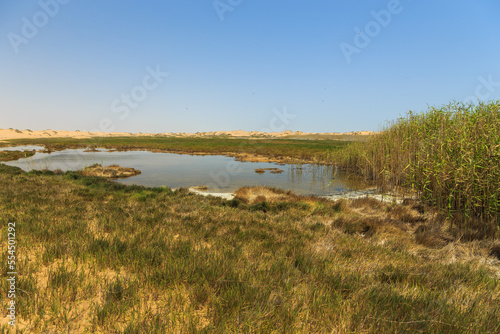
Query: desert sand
[6, 134]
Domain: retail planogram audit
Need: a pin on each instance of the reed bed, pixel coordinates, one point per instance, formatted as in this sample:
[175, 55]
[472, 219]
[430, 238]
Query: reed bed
[450, 155]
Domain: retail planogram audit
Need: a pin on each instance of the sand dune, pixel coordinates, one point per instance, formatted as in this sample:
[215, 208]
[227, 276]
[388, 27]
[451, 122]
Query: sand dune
[6, 134]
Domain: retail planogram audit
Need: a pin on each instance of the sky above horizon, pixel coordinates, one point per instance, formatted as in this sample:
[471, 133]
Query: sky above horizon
[189, 66]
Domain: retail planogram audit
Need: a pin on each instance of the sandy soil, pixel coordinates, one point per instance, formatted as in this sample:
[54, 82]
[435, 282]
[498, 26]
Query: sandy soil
[6, 134]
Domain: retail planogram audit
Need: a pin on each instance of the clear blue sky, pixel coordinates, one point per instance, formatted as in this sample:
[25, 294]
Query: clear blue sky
[69, 65]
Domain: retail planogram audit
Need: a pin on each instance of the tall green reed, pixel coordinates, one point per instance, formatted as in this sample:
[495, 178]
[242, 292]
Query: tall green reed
[450, 155]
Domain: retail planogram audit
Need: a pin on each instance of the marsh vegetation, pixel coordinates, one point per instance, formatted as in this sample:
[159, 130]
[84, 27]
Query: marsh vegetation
[266, 150]
[103, 257]
[14, 155]
[99, 256]
[450, 155]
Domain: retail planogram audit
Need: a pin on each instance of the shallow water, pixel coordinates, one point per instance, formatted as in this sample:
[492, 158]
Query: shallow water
[22, 148]
[219, 173]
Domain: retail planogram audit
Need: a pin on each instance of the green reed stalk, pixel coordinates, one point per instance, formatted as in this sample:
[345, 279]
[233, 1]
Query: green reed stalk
[450, 155]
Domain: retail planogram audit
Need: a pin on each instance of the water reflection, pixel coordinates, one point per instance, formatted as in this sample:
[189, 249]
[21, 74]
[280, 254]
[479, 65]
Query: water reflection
[329, 179]
[218, 173]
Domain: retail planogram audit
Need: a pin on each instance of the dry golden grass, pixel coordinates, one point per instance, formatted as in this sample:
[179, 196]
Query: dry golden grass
[256, 194]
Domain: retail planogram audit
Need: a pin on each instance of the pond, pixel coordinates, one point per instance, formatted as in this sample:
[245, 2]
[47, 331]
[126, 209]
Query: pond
[218, 173]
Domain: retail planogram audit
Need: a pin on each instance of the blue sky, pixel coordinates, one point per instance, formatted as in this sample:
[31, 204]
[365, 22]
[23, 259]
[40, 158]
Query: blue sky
[236, 64]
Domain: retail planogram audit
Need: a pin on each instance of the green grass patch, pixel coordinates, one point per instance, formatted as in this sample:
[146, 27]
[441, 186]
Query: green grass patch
[14, 155]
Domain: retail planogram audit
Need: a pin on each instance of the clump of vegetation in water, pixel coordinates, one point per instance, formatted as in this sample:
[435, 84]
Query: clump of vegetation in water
[110, 172]
[450, 155]
[272, 170]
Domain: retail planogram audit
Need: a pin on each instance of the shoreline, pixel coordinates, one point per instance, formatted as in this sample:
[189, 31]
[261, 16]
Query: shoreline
[350, 195]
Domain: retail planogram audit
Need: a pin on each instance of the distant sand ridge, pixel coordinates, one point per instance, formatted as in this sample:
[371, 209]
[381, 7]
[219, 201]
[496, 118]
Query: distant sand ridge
[20, 134]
